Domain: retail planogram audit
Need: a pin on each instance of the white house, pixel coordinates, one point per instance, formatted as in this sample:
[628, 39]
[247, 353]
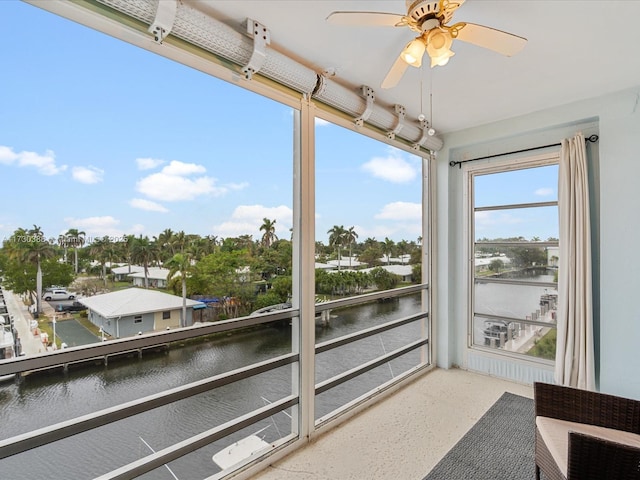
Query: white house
[156, 276]
[120, 273]
[127, 312]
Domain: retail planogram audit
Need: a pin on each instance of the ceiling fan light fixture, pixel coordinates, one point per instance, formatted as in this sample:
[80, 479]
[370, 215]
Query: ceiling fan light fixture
[413, 52]
[441, 60]
[438, 47]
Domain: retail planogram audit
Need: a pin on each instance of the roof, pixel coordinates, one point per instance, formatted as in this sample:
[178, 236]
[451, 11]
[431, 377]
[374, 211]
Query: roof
[126, 269]
[402, 270]
[134, 301]
[155, 273]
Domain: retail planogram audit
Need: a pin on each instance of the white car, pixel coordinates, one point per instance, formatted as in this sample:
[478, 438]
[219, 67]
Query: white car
[58, 295]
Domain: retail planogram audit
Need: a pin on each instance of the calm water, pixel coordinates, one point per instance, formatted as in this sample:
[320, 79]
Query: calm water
[40, 401]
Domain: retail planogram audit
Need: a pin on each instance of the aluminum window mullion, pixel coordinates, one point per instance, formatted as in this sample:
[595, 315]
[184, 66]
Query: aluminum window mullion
[514, 320]
[507, 281]
[515, 206]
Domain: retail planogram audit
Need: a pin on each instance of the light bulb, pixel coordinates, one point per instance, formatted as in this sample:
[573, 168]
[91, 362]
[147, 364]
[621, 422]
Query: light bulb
[413, 52]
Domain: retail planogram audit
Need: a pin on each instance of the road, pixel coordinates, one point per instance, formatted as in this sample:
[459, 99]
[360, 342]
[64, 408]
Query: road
[30, 343]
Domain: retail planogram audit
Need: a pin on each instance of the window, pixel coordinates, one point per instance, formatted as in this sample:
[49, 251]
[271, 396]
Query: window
[514, 259]
[166, 315]
[137, 319]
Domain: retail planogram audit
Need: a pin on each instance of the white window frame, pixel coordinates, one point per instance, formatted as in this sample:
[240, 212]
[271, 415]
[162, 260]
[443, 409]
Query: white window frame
[470, 170]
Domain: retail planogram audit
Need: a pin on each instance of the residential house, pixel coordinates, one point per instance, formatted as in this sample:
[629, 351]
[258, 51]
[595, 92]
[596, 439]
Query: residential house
[131, 311]
[155, 276]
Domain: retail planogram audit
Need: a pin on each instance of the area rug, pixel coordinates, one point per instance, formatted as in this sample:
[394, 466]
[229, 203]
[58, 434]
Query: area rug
[500, 446]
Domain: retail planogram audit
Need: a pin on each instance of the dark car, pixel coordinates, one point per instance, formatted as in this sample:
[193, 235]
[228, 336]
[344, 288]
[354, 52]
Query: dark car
[72, 307]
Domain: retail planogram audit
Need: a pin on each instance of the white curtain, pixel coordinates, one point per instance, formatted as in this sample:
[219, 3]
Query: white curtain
[574, 351]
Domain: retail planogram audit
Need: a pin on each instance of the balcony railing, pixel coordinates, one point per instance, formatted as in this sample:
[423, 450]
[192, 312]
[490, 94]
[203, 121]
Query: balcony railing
[102, 351]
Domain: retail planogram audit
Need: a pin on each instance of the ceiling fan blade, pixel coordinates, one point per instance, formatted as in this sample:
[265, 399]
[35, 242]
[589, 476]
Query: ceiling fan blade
[395, 73]
[502, 42]
[379, 19]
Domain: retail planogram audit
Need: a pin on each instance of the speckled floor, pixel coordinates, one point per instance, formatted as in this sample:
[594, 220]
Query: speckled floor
[402, 437]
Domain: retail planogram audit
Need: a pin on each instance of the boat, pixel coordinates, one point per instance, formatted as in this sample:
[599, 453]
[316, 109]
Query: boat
[241, 450]
[7, 345]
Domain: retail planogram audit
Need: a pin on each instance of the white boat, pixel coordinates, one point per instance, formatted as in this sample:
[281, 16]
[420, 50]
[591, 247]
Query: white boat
[7, 345]
[241, 450]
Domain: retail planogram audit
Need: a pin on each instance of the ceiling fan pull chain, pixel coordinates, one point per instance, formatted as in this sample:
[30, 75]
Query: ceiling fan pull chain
[370, 97]
[261, 38]
[401, 111]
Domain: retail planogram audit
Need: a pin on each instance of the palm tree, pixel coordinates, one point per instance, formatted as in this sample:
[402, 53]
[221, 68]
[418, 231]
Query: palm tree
[336, 239]
[179, 242]
[144, 253]
[387, 248]
[181, 263]
[403, 249]
[350, 236]
[269, 227]
[75, 238]
[102, 250]
[35, 250]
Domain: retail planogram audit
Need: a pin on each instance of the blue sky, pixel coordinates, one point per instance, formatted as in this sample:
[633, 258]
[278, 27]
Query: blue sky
[107, 138]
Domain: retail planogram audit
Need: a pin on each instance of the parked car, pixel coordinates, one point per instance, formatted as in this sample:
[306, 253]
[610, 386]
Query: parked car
[73, 307]
[58, 295]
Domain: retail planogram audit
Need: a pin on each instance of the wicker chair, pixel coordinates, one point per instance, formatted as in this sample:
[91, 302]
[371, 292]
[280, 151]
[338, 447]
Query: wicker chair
[608, 453]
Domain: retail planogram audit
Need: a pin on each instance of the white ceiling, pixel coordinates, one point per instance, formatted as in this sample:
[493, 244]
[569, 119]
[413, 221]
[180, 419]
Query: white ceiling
[575, 50]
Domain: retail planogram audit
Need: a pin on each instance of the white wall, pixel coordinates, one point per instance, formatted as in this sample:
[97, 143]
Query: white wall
[616, 171]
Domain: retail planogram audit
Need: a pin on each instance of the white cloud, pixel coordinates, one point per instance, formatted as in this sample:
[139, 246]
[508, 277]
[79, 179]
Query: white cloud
[400, 211]
[176, 182]
[247, 219]
[174, 188]
[7, 155]
[87, 175]
[183, 169]
[147, 205]
[44, 164]
[320, 122]
[392, 168]
[148, 163]
[545, 192]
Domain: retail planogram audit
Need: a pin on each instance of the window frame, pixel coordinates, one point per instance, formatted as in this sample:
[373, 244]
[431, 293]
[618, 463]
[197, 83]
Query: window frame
[470, 171]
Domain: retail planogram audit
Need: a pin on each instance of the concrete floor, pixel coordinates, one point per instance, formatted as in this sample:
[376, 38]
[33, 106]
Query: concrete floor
[404, 436]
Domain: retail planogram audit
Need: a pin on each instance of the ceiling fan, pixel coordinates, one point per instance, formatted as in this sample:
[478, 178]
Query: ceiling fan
[430, 18]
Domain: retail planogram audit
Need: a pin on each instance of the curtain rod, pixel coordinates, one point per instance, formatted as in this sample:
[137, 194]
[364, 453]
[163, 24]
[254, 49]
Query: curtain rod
[592, 139]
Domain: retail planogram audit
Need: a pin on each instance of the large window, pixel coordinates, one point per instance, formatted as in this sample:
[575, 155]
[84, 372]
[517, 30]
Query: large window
[369, 240]
[163, 172]
[514, 256]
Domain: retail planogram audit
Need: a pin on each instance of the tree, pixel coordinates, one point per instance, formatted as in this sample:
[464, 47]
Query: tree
[403, 249]
[269, 236]
[383, 279]
[32, 247]
[144, 253]
[19, 275]
[102, 250]
[496, 265]
[336, 239]
[388, 247]
[350, 236]
[181, 263]
[74, 238]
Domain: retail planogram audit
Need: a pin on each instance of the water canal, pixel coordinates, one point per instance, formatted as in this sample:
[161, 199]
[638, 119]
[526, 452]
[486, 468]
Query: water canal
[38, 401]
